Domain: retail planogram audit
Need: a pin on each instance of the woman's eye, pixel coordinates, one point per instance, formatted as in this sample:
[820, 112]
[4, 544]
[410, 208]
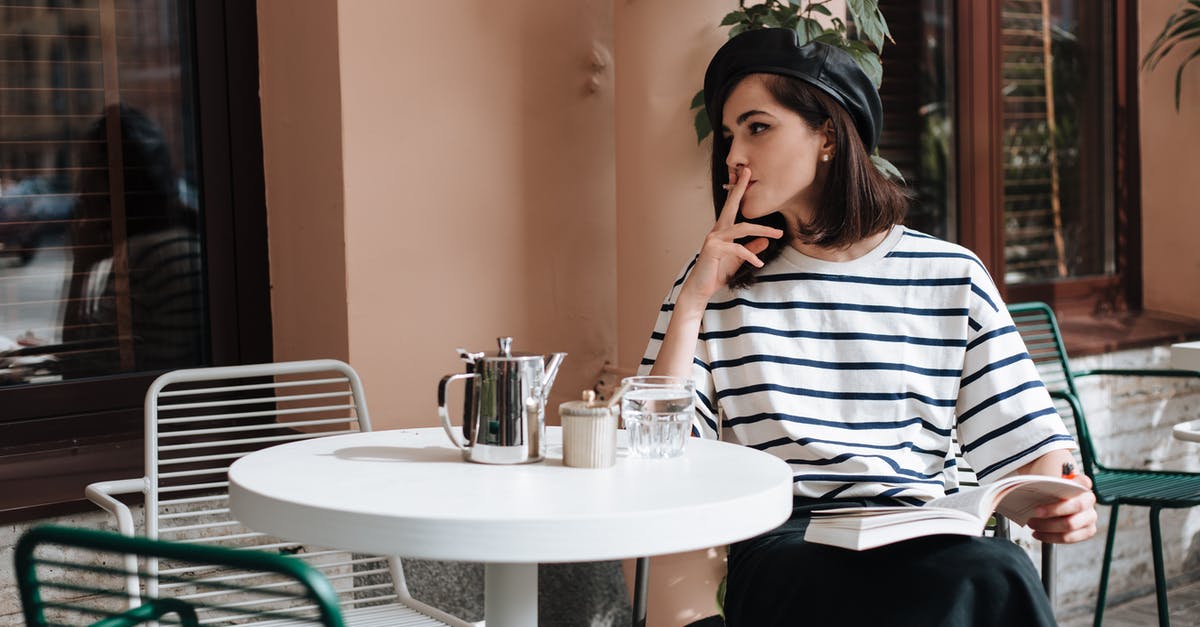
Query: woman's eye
[757, 127]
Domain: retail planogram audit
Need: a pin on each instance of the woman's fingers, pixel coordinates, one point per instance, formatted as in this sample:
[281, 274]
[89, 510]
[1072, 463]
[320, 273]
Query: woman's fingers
[1070, 520]
[734, 200]
[1066, 507]
[745, 229]
[757, 245]
[720, 251]
[745, 254]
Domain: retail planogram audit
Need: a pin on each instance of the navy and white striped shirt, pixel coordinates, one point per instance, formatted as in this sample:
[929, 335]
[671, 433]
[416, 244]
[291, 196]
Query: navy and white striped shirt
[859, 374]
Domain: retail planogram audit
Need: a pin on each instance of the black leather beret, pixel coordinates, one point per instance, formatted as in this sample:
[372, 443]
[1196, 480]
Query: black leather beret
[777, 51]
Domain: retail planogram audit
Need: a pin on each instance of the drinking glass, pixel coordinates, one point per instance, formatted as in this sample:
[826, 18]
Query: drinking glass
[657, 412]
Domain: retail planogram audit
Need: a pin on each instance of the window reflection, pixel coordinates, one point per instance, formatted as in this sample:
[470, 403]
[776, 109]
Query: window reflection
[100, 248]
[918, 106]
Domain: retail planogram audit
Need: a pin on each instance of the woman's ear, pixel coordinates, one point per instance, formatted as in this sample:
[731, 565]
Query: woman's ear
[830, 133]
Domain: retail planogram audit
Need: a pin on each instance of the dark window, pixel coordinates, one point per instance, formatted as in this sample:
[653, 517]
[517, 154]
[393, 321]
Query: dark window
[132, 225]
[1012, 119]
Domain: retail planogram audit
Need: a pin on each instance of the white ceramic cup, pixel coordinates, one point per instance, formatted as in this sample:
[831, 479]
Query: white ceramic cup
[589, 432]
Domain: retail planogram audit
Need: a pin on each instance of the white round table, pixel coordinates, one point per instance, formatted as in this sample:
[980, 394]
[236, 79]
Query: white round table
[1189, 431]
[409, 493]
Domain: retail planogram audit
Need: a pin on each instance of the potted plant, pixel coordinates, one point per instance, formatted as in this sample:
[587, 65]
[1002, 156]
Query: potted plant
[1181, 27]
[814, 21]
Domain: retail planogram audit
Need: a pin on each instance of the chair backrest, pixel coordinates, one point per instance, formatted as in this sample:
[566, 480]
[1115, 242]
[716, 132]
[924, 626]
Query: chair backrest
[199, 421]
[67, 576]
[1043, 340]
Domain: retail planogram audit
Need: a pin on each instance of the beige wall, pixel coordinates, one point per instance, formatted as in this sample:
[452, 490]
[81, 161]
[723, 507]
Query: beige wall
[302, 154]
[436, 180]
[1170, 164]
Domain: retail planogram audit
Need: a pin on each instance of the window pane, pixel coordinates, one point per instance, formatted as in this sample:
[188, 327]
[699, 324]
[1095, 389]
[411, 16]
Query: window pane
[918, 109]
[1057, 68]
[100, 248]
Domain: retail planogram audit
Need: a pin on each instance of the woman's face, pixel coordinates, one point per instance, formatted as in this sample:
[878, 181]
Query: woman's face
[782, 152]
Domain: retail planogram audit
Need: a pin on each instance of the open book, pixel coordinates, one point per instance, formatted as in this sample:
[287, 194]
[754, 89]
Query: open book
[963, 513]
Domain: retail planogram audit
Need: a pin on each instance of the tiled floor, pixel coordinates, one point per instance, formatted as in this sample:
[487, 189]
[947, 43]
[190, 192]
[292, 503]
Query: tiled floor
[1183, 601]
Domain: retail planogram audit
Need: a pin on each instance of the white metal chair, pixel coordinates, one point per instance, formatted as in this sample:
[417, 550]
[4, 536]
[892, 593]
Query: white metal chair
[198, 422]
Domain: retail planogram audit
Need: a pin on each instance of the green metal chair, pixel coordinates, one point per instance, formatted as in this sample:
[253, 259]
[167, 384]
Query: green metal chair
[1156, 489]
[69, 576]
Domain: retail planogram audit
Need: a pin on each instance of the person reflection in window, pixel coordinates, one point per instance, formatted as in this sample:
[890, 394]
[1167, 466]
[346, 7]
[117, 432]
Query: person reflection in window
[159, 255]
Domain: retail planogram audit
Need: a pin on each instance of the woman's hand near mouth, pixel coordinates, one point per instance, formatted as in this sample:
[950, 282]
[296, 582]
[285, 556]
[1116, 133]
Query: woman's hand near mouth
[719, 258]
[721, 255]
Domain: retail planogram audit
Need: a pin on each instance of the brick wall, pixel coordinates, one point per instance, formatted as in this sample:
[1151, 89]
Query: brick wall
[1130, 419]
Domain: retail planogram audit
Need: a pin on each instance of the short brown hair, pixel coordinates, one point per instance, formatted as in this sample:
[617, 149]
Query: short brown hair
[856, 201]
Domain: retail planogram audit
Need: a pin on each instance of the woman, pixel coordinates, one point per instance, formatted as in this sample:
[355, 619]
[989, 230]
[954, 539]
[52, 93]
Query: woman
[819, 329]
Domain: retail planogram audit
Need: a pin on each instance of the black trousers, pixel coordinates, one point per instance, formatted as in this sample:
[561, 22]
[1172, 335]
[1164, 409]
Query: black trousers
[779, 579]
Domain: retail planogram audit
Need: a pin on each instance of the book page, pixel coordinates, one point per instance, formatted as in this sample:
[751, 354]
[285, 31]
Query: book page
[1018, 502]
[976, 501]
[868, 527]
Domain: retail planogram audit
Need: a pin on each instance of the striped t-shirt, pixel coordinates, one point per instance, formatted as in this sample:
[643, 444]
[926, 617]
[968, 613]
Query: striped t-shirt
[861, 374]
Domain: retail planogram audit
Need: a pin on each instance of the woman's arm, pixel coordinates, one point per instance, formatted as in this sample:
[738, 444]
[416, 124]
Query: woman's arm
[1069, 520]
[719, 258]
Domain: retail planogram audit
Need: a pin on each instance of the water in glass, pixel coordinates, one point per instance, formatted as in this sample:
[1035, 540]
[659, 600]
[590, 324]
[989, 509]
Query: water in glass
[657, 421]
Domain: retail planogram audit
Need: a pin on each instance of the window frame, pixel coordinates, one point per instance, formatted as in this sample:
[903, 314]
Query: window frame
[980, 175]
[90, 428]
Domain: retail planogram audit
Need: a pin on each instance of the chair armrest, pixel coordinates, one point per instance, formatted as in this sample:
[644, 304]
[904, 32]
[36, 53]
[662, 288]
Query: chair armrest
[1083, 436]
[101, 493]
[1138, 372]
[154, 609]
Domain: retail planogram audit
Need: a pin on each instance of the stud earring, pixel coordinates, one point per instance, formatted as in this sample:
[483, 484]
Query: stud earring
[825, 157]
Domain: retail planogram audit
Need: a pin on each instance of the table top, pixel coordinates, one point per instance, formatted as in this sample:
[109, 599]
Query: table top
[1186, 356]
[408, 492]
[1189, 431]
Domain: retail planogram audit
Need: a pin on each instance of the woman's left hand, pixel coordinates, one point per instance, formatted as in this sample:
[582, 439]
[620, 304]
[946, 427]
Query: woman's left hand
[1069, 520]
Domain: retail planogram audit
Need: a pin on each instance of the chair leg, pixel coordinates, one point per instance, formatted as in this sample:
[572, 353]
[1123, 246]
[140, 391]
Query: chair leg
[641, 588]
[1048, 569]
[1102, 593]
[1160, 575]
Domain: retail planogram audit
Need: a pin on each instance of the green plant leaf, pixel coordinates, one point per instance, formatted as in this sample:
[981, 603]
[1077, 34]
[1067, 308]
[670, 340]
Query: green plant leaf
[857, 7]
[733, 18]
[1179, 77]
[772, 20]
[820, 8]
[738, 28]
[1181, 25]
[869, 20]
[703, 126]
[808, 29]
[857, 46]
[867, 60]
[887, 168]
[830, 37]
[697, 100]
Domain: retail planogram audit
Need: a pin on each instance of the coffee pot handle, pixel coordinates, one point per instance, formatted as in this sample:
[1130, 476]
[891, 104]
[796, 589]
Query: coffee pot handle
[444, 412]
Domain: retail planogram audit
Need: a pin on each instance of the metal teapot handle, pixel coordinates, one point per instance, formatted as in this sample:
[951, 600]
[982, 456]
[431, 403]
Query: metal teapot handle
[444, 413]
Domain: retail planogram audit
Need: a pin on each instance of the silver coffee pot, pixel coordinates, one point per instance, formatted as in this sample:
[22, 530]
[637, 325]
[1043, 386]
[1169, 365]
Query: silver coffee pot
[504, 415]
